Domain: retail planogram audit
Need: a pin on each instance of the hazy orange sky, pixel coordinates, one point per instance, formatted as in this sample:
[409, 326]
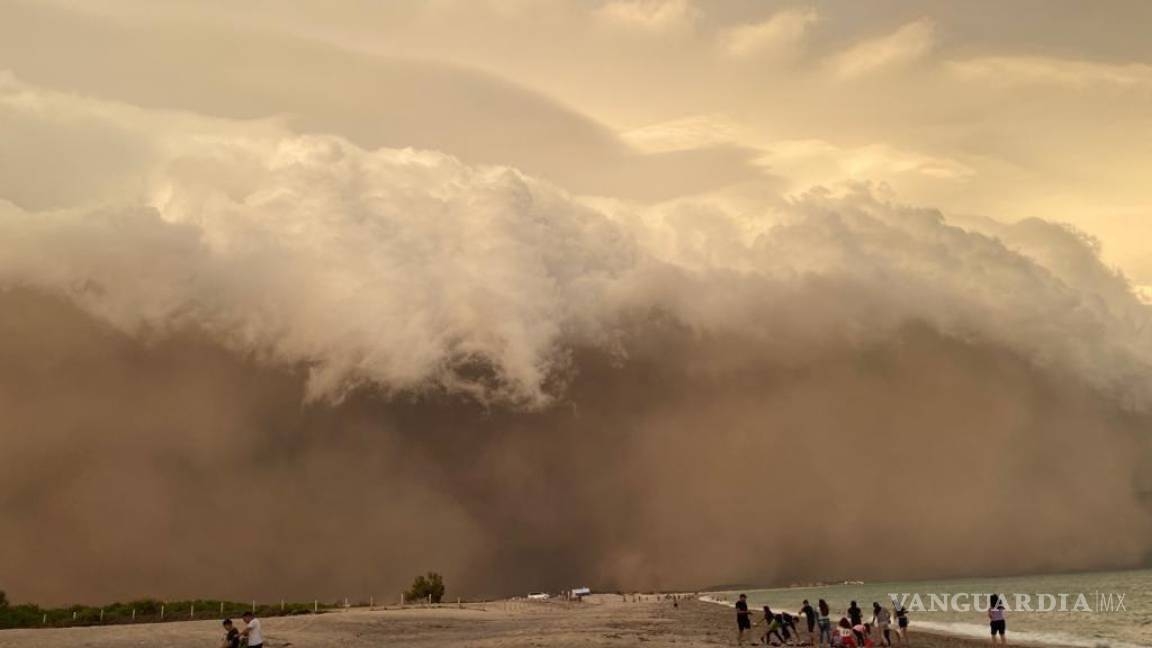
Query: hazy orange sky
[1007, 110]
[998, 109]
[421, 268]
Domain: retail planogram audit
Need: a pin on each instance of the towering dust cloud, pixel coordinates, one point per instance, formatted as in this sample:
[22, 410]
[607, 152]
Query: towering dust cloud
[247, 361]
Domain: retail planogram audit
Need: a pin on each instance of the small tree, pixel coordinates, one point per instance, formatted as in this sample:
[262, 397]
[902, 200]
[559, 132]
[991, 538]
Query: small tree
[424, 586]
[3, 600]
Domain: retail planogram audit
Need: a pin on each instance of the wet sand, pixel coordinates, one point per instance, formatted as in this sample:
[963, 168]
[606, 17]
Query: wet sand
[601, 621]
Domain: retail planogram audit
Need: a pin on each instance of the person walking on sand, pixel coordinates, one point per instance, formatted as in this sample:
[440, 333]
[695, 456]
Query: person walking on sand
[810, 618]
[901, 623]
[881, 620]
[996, 619]
[825, 622]
[252, 630]
[743, 620]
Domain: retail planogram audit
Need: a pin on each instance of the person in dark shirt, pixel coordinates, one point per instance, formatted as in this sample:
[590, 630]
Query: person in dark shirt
[810, 617]
[773, 623]
[787, 626]
[743, 620]
[855, 614]
[231, 635]
[902, 624]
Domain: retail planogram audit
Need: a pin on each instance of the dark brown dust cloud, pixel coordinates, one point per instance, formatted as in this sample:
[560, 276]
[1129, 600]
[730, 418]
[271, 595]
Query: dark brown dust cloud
[170, 467]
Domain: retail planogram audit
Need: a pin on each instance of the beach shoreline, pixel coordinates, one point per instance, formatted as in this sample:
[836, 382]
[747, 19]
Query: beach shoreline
[601, 620]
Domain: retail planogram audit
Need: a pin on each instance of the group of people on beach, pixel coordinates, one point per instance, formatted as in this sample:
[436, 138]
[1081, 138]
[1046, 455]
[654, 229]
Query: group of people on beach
[251, 635]
[851, 631]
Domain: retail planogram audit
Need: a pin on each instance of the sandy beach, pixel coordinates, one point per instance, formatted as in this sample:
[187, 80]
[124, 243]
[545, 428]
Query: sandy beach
[600, 621]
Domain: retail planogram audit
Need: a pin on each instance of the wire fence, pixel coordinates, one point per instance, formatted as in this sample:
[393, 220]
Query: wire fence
[158, 611]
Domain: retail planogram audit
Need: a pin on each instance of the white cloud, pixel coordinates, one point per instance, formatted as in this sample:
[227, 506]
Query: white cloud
[397, 267]
[650, 15]
[905, 45]
[778, 35]
[695, 131]
[1052, 71]
[822, 162]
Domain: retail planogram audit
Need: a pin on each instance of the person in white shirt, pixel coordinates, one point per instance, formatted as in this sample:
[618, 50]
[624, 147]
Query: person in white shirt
[252, 631]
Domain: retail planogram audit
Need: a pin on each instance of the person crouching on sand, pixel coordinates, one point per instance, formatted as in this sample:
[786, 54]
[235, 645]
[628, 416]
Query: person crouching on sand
[743, 620]
[782, 619]
[772, 627]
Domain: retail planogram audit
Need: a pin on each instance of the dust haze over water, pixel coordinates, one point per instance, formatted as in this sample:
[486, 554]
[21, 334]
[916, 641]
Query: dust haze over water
[253, 346]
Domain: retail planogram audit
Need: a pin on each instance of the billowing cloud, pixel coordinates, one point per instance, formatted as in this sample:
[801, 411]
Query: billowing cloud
[413, 299]
[776, 36]
[322, 235]
[907, 44]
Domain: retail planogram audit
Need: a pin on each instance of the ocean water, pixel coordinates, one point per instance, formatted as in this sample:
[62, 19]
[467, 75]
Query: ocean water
[1118, 614]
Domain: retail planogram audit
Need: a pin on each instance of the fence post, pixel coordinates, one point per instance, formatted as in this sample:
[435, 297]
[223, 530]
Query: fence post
[73, 615]
[192, 611]
[281, 606]
[401, 599]
[253, 606]
[371, 603]
[45, 621]
[101, 615]
[221, 608]
[315, 606]
[161, 612]
[429, 599]
[133, 615]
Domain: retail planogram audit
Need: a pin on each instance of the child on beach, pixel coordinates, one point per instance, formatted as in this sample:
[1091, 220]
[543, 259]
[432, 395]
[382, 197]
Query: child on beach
[996, 619]
[901, 624]
[844, 631]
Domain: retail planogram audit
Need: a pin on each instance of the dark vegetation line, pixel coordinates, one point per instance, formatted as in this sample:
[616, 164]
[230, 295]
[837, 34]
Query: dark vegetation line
[428, 588]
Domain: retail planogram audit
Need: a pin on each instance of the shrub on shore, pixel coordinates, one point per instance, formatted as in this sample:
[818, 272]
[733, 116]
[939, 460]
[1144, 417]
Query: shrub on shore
[423, 587]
